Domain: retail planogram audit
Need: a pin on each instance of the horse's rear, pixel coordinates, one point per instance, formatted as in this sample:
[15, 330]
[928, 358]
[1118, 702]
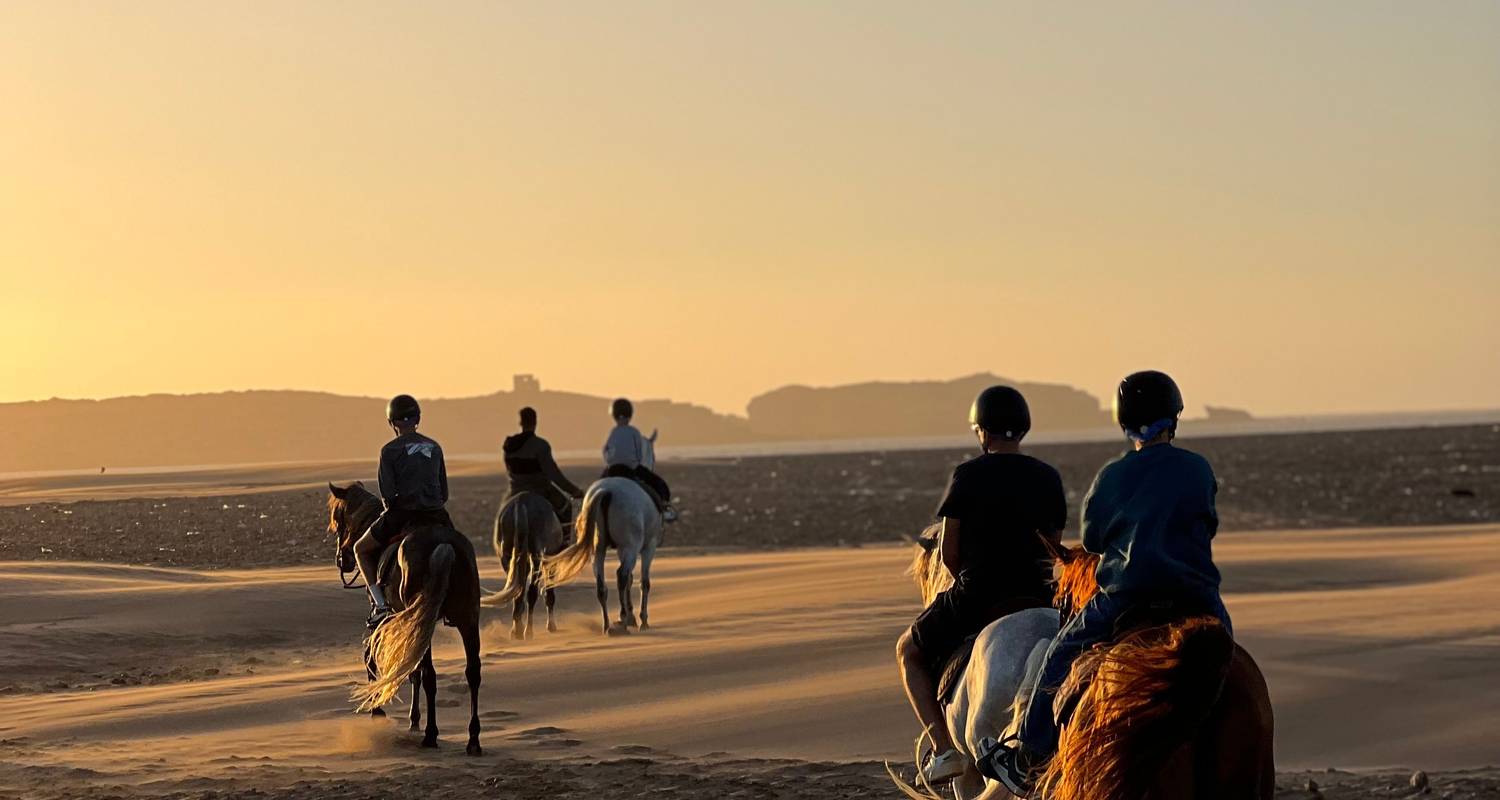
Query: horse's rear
[526, 529]
[439, 581]
[1176, 710]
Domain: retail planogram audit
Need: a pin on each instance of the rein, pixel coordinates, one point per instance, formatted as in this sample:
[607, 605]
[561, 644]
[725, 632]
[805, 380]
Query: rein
[351, 579]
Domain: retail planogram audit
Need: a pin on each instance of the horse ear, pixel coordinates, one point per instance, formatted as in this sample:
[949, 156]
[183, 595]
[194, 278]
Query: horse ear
[1055, 549]
[336, 491]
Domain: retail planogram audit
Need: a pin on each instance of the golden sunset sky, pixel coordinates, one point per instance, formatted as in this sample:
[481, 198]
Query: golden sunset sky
[1294, 207]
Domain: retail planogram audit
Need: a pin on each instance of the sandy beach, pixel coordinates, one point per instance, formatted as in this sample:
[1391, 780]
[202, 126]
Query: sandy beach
[770, 672]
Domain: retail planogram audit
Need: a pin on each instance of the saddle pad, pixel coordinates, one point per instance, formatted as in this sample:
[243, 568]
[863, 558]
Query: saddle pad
[385, 568]
[953, 670]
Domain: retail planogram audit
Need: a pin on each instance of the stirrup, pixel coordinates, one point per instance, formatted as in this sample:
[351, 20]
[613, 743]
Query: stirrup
[1001, 761]
[668, 513]
[379, 615]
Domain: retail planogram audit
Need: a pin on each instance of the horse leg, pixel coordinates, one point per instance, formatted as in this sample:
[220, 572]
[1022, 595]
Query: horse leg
[470, 634]
[646, 556]
[532, 592]
[551, 610]
[416, 699]
[518, 612]
[599, 590]
[429, 688]
[625, 576]
[370, 675]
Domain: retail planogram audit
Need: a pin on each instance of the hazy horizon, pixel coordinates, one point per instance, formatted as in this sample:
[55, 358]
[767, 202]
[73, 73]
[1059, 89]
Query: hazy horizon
[1291, 208]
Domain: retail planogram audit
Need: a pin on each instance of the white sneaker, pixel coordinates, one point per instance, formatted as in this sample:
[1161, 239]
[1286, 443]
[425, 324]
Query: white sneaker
[945, 767]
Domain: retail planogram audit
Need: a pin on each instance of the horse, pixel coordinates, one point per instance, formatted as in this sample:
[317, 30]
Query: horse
[1168, 709]
[1004, 664]
[526, 529]
[435, 575]
[616, 513]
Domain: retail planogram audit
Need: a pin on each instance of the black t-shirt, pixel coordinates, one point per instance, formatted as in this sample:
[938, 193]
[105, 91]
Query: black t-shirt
[1002, 501]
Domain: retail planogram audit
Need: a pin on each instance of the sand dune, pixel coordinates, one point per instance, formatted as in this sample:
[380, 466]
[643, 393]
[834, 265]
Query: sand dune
[1379, 646]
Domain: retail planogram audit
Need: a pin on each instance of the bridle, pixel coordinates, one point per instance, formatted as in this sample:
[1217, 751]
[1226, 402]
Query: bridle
[349, 578]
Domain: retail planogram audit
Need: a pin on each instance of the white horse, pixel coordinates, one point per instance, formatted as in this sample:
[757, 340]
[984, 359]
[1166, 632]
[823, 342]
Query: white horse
[990, 700]
[616, 513]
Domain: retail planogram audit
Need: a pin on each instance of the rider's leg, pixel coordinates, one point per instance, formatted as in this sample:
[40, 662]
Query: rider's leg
[367, 555]
[1039, 728]
[921, 691]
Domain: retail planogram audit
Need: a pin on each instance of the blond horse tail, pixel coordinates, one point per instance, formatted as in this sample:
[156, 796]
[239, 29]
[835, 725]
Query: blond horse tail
[397, 646]
[518, 573]
[559, 569]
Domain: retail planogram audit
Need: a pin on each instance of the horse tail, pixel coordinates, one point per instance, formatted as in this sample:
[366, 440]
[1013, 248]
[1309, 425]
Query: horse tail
[559, 569]
[518, 572]
[1145, 696]
[397, 646]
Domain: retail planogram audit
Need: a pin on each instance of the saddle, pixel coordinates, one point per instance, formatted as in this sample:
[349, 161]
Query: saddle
[952, 673]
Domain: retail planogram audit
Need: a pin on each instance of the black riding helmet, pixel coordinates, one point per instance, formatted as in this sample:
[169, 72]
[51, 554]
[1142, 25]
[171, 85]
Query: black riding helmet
[621, 408]
[1147, 400]
[403, 408]
[1001, 411]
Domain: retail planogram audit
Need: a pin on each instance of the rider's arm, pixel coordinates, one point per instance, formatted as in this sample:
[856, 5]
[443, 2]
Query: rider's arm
[442, 474]
[555, 473]
[1093, 527]
[1057, 515]
[948, 545]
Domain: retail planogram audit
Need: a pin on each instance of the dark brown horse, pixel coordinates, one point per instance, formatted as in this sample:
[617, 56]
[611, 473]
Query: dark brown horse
[1169, 709]
[435, 576]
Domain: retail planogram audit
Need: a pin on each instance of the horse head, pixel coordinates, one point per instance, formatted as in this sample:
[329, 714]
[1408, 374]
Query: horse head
[927, 564]
[349, 514]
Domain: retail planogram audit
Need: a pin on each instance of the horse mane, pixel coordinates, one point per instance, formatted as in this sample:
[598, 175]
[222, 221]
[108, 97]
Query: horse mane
[1077, 581]
[1138, 701]
[347, 500]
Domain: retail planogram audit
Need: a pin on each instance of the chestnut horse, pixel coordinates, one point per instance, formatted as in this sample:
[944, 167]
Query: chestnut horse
[1170, 709]
[435, 576]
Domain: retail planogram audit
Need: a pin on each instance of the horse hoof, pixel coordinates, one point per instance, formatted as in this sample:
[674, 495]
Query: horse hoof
[474, 749]
[552, 627]
[528, 635]
[516, 636]
[415, 728]
[430, 741]
[618, 630]
[645, 625]
[377, 712]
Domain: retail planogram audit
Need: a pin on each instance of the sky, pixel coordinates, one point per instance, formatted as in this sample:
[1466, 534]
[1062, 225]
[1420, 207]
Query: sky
[1293, 207]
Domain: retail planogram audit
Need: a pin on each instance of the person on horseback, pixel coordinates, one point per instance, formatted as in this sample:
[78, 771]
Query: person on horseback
[531, 468]
[413, 489]
[993, 514]
[1150, 517]
[624, 454]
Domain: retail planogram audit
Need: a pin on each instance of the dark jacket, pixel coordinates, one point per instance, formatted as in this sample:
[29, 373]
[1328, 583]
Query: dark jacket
[529, 463]
[1150, 516]
[413, 476]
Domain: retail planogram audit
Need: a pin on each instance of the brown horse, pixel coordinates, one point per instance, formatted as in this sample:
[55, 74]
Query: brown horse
[435, 576]
[1169, 709]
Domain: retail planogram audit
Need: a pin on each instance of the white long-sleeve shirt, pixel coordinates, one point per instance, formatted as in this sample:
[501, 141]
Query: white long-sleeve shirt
[625, 446]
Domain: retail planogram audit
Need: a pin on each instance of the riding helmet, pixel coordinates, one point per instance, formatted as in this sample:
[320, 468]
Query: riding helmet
[621, 408]
[1001, 411]
[1145, 400]
[403, 408]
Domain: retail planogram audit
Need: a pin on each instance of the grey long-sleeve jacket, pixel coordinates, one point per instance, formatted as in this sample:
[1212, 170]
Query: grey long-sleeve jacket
[413, 476]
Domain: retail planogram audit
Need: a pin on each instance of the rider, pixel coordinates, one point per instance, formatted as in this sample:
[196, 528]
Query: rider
[413, 488]
[529, 463]
[624, 454]
[994, 512]
[1150, 517]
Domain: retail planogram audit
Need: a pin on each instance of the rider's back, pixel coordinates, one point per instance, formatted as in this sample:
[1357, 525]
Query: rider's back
[413, 476]
[625, 447]
[526, 458]
[1004, 501]
[1150, 516]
